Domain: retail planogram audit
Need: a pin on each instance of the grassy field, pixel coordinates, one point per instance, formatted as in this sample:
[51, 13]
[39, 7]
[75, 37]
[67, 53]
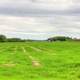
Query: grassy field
[40, 61]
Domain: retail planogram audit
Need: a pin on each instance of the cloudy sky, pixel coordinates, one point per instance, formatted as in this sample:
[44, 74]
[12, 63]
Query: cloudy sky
[39, 19]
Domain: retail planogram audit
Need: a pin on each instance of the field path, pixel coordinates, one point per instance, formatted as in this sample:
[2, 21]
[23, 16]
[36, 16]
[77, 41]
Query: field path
[35, 62]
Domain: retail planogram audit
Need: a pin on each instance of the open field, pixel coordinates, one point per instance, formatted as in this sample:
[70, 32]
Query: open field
[40, 61]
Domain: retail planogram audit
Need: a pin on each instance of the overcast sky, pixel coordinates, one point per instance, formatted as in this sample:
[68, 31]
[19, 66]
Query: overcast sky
[39, 19]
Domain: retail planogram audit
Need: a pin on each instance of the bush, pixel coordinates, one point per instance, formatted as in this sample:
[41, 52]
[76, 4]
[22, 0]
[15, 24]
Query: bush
[14, 40]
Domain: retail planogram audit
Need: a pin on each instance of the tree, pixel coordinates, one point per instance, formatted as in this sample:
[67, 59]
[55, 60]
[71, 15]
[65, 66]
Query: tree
[59, 38]
[3, 38]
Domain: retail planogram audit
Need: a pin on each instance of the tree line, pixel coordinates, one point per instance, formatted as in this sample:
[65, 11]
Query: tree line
[62, 38]
[3, 38]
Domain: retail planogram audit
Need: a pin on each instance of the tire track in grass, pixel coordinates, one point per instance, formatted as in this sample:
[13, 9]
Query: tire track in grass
[10, 63]
[14, 49]
[4, 50]
[44, 56]
[35, 62]
[42, 51]
[36, 49]
[39, 49]
[11, 49]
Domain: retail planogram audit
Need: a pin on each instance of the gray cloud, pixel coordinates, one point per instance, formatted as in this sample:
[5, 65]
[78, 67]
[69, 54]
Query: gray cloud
[40, 26]
[39, 8]
[39, 19]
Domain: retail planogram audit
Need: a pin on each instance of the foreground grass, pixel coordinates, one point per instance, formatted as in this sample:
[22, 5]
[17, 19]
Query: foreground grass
[56, 61]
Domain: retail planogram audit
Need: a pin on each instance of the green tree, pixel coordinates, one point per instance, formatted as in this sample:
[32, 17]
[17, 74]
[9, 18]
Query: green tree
[59, 38]
[3, 38]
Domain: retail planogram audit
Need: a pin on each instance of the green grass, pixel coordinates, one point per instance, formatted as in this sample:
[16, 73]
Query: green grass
[58, 61]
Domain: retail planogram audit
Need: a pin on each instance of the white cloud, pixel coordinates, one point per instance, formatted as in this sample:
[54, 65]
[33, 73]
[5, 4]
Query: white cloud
[39, 27]
[39, 19]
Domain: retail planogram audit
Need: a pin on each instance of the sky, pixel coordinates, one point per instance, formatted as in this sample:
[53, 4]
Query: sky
[40, 19]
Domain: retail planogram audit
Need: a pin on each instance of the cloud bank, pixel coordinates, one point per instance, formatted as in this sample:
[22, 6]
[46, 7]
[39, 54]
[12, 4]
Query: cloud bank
[39, 19]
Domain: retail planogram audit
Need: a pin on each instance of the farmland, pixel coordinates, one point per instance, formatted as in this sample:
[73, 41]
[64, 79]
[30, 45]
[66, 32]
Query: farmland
[40, 60]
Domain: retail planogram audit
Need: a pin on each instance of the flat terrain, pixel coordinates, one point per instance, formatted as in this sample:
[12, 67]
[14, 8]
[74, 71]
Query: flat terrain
[40, 61]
